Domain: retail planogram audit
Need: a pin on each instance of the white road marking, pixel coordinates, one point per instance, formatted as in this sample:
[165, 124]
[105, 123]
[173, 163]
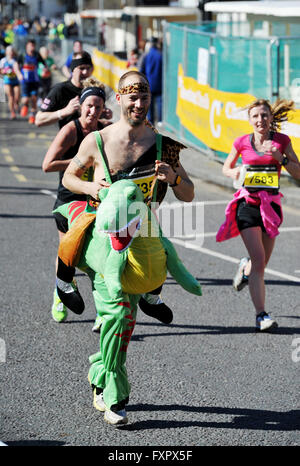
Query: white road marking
[287, 229]
[202, 250]
[48, 193]
[176, 205]
[186, 244]
[213, 233]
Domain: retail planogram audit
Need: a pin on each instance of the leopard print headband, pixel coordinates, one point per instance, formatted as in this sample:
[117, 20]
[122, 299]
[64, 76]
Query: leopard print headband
[134, 88]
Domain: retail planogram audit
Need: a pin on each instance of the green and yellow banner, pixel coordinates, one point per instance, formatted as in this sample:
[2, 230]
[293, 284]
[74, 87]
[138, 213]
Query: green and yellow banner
[108, 68]
[217, 118]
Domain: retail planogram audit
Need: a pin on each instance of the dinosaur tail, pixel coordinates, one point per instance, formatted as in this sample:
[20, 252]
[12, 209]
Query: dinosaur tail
[71, 210]
[62, 209]
[178, 270]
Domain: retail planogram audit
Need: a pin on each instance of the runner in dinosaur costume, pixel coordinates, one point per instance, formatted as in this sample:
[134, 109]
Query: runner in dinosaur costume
[167, 150]
[119, 278]
[125, 254]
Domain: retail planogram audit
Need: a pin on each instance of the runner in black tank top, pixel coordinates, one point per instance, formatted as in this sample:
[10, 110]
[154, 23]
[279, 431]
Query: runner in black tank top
[62, 150]
[63, 194]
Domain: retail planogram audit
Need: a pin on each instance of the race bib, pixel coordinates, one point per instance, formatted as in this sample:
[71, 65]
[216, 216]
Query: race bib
[262, 177]
[142, 176]
[144, 184]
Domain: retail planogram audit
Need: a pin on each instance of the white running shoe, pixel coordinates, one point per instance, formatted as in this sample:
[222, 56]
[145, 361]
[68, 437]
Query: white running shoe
[97, 324]
[112, 417]
[240, 280]
[116, 418]
[98, 401]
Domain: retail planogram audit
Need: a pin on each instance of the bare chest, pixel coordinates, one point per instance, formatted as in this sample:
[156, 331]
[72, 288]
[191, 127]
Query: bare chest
[122, 156]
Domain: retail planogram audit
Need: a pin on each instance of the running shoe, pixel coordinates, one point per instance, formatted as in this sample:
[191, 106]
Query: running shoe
[98, 401]
[240, 279]
[24, 111]
[70, 296]
[59, 310]
[265, 322]
[31, 119]
[115, 417]
[153, 306]
[97, 324]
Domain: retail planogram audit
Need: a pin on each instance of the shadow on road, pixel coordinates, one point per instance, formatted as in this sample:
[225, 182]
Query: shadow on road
[252, 419]
[24, 190]
[17, 216]
[183, 330]
[35, 443]
[206, 330]
[228, 282]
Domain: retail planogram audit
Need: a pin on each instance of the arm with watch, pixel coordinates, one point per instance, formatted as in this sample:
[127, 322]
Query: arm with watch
[290, 162]
[288, 159]
[177, 179]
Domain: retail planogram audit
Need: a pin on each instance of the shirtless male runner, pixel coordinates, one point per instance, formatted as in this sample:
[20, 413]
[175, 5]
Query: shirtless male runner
[126, 144]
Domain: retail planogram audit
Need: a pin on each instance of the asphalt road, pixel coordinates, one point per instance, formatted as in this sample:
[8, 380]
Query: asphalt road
[208, 379]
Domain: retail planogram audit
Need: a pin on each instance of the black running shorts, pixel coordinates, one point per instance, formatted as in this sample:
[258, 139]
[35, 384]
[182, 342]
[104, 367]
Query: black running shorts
[248, 215]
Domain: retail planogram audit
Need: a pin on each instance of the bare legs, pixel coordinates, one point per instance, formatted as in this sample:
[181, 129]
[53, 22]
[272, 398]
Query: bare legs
[13, 96]
[259, 246]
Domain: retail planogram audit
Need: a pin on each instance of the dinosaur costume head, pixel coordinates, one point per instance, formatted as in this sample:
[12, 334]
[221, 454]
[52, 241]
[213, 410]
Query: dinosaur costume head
[121, 213]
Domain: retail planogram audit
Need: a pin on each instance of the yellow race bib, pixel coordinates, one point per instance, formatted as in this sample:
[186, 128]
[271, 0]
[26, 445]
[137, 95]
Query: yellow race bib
[262, 177]
[144, 184]
[142, 176]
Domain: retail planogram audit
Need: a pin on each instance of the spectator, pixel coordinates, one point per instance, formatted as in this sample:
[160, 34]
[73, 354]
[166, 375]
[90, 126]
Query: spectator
[144, 47]
[72, 29]
[133, 58]
[152, 69]
[61, 30]
[19, 29]
[77, 48]
[9, 35]
[36, 27]
[45, 72]
[52, 32]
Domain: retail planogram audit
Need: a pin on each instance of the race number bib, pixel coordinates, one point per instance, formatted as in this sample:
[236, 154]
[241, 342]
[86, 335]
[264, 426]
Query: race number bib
[142, 176]
[144, 184]
[262, 177]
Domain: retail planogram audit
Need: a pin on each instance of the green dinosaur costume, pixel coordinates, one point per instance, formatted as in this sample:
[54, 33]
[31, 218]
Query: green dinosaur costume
[125, 255]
